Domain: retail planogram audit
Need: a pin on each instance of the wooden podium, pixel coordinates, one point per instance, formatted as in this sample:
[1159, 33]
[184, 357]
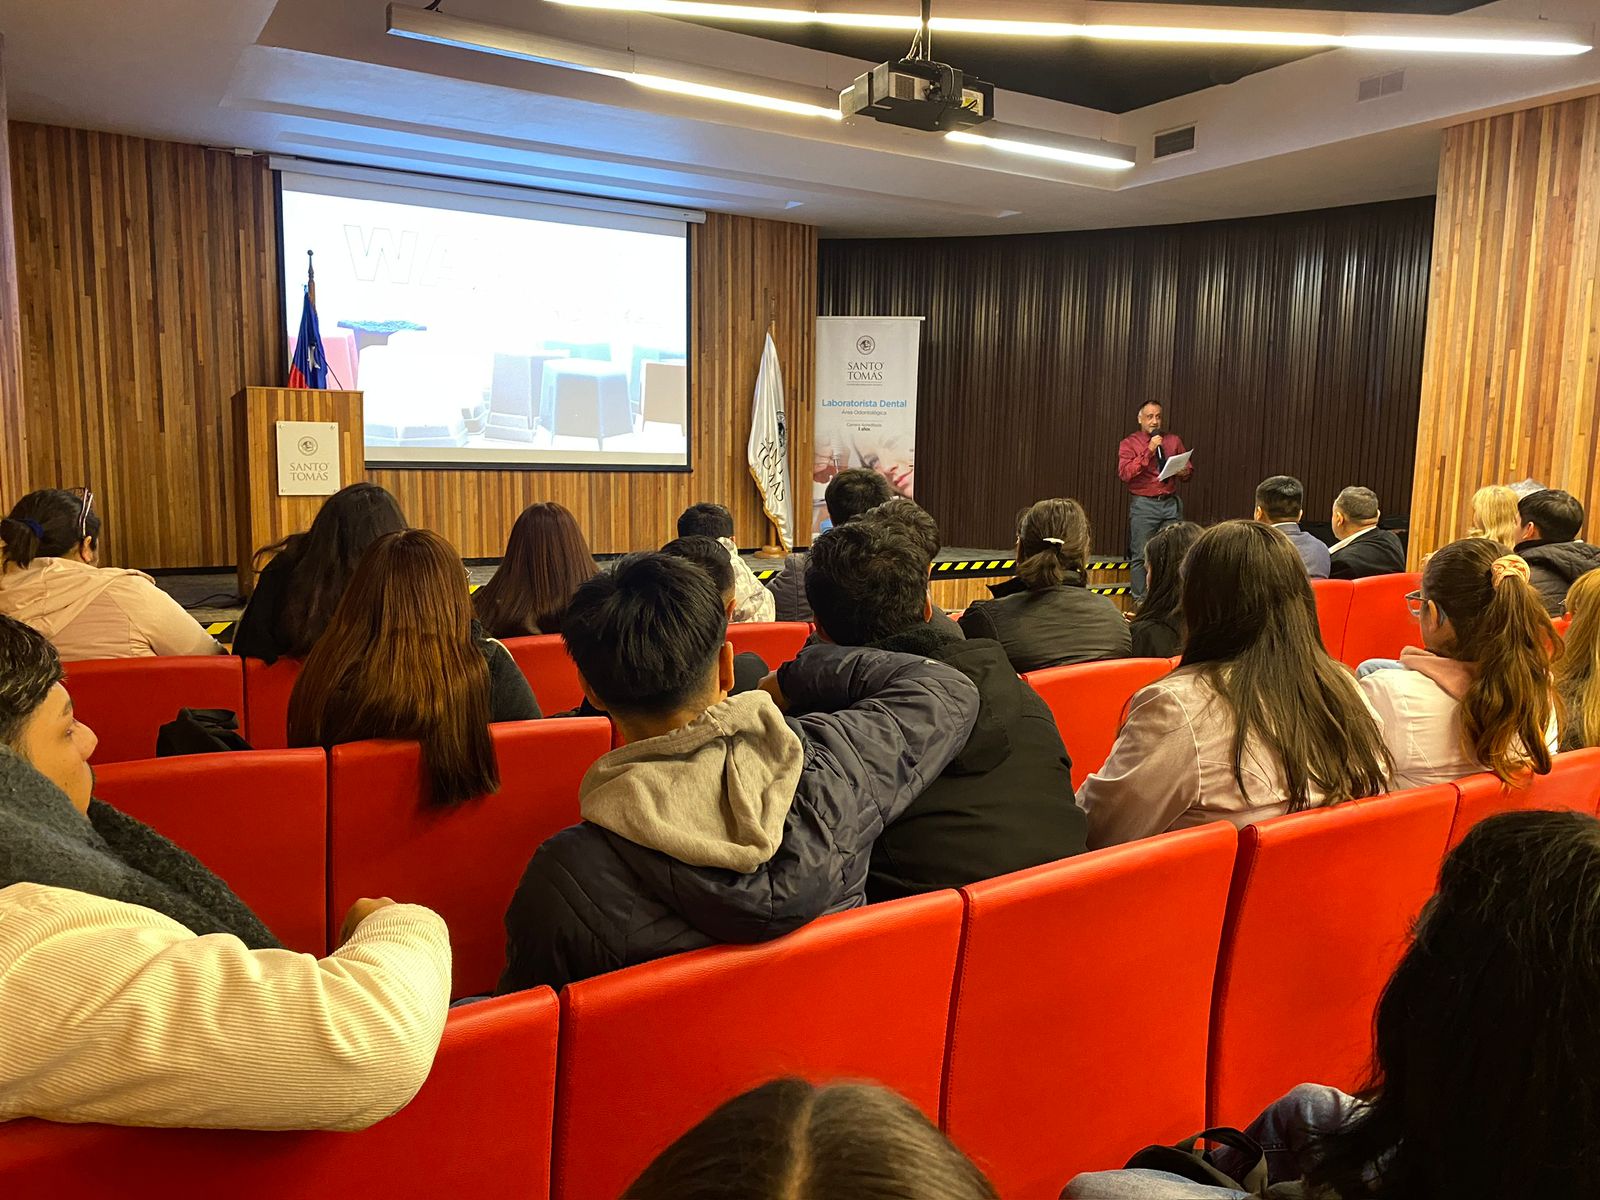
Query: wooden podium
[264, 516]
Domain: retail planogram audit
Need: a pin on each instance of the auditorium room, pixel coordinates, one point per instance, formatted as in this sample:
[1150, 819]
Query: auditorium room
[800, 599]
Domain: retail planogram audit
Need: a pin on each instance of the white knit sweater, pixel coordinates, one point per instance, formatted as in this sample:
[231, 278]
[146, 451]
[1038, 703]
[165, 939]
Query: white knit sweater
[110, 1012]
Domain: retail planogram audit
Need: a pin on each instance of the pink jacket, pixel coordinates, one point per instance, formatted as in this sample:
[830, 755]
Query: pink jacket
[100, 612]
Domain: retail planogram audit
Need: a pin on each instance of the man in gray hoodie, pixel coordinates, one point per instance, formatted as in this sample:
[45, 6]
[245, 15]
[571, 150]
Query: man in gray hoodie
[721, 818]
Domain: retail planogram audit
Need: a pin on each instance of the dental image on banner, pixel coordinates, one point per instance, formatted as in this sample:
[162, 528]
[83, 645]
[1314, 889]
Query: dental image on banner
[866, 403]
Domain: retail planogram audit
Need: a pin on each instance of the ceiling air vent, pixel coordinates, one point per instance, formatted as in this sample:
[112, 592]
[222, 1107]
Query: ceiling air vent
[1374, 86]
[1175, 141]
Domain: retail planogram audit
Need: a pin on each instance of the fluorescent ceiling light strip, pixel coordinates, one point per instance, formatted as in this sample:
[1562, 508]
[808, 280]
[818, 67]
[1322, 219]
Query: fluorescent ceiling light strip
[746, 12]
[684, 87]
[1082, 158]
[1444, 45]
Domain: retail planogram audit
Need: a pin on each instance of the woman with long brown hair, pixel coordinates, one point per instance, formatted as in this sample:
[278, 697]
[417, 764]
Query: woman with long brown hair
[1256, 721]
[1482, 695]
[1047, 616]
[546, 560]
[402, 658]
[1578, 669]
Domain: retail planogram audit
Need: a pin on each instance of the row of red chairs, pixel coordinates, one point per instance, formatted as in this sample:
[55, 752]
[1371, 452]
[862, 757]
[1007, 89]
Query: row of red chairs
[1052, 1021]
[126, 700]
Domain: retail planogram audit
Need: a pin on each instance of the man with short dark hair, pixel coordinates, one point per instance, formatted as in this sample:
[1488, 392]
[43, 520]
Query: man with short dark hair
[850, 493]
[1551, 520]
[909, 519]
[751, 600]
[1154, 503]
[1363, 550]
[1281, 502]
[1005, 802]
[707, 554]
[720, 819]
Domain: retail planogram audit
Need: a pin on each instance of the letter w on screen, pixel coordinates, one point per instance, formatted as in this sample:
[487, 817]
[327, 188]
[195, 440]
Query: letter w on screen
[769, 445]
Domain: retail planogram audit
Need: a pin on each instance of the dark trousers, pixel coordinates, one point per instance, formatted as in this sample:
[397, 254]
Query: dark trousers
[1148, 516]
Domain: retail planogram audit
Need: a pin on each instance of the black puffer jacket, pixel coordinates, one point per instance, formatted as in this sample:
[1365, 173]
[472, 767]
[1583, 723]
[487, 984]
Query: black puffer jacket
[1553, 567]
[1003, 804]
[873, 729]
[1050, 627]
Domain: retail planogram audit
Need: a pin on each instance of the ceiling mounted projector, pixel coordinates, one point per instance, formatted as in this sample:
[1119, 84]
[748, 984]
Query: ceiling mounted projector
[917, 93]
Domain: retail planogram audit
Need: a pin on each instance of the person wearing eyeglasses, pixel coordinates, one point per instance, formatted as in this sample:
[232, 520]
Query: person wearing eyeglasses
[1481, 696]
[49, 578]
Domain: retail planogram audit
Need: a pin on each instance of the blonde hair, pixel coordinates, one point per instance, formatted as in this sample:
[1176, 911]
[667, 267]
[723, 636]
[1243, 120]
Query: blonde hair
[1578, 671]
[1494, 515]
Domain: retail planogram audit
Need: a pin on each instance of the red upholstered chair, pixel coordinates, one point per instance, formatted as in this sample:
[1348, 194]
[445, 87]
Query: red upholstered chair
[127, 700]
[258, 819]
[1573, 783]
[1320, 912]
[388, 839]
[1380, 624]
[1333, 611]
[1089, 701]
[647, 1052]
[1083, 1003]
[551, 673]
[266, 701]
[1563, 623]
[480, 1126]
[776, 642]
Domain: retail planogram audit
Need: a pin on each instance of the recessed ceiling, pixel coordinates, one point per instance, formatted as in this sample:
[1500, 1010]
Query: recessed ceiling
[1115, 78]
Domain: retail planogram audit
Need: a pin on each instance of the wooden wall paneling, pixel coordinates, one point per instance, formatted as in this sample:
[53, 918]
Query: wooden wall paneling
[13, 423]
[1509, 388]
[148, 297]
[1278, 344]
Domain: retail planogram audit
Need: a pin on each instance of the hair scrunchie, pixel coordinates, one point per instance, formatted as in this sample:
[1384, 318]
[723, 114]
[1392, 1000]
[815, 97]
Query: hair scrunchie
[1506, 565]
[32, 527]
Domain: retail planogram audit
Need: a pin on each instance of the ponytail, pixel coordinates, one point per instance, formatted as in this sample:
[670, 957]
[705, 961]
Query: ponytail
[1501, 624]
[1052, 543]
[21, 538]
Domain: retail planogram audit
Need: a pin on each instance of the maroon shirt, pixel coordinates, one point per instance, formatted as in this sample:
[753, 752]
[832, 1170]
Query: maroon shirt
[1139, 468]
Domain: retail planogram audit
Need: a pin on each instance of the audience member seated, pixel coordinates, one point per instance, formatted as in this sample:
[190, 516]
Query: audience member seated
[720, 819]
[791, 1140]
[1362, 549]
[119, 1008]
[1485, 1085]
[1157, 630]
[1281, 502]
[1578, 668]
[1494, 515]
[912, 521]
[1481, 695]
[403, 658]
[1047, 616]
[708, 554]
[752, 600]
[850, 493]
[48, 578]
[1256, 721]
[1551, 520]
[306, 573]
[1005, 802]
[546, 559]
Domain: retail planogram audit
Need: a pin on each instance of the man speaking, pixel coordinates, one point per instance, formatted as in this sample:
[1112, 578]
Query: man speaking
[1154, 503]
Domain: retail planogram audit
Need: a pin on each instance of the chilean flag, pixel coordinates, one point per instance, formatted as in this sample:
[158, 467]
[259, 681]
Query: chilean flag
[309, 368]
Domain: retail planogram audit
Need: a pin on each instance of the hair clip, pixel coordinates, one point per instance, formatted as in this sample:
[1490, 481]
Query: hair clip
[1053, 541]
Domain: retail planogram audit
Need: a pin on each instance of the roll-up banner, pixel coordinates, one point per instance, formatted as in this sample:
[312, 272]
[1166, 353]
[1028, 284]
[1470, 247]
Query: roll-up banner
[866, 403]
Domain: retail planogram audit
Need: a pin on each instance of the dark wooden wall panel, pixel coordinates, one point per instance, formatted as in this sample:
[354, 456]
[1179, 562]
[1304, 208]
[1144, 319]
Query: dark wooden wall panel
[13, 424]
[1511, 382]
[149, 296]
[1278, 344]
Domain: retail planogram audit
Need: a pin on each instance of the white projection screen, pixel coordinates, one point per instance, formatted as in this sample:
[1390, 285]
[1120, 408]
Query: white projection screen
[487, 329]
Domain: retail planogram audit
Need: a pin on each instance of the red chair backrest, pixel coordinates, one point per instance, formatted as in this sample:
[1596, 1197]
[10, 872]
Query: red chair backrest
[1573, 783]
[1333, 598]
[480, 1126]
[1083, 1002]
[1089, 701]
[127, 700]
[647, 1052]
[776, 642]
[550, 671]
[464, 862]
[1320, 912]
[257, 819]
[266, 701]
[1380, 624]
[1562, 624]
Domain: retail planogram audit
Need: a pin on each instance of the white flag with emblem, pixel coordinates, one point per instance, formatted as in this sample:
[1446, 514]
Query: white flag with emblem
[769, 445]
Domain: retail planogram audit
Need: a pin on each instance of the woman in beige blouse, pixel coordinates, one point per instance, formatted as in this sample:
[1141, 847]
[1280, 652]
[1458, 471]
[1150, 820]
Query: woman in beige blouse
[1256, 722]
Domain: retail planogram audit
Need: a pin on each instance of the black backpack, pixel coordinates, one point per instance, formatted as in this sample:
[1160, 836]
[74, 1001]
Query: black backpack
[200, 731]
